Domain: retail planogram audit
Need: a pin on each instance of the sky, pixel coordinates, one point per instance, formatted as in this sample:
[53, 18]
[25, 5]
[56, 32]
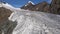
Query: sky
[20, 3]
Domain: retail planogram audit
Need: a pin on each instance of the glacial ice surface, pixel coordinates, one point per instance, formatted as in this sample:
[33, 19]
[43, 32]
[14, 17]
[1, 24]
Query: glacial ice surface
[29, 22]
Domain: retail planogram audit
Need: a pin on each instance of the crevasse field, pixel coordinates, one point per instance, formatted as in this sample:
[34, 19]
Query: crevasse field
[29, 22]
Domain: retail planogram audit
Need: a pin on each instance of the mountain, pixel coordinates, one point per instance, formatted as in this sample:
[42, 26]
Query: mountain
[29, 5]
[37, 7]
[54, 7]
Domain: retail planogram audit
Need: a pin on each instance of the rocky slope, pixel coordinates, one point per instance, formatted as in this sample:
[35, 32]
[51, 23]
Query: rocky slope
[6, 26]
[37, 7]
[4, 14]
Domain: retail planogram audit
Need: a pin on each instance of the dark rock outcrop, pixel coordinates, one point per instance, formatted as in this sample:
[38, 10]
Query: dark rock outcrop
[28, 6]
[55, 6]
[6, 26]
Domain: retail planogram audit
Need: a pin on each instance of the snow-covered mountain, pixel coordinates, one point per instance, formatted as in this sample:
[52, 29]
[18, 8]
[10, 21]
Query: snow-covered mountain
[43, 6]
[30, 3]
[53, 7]
[8, 6]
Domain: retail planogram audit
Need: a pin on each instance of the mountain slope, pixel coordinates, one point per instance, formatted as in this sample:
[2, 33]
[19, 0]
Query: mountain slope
[5, 24]
[4, 13]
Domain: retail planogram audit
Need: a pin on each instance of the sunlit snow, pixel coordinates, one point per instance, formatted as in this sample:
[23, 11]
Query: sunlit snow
[8, 6]
[31, 2]
[35, 22]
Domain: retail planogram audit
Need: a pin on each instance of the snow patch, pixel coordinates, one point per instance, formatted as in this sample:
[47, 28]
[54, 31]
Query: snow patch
[8, 6]
[0, 5]
[31, 2]
[26, 4]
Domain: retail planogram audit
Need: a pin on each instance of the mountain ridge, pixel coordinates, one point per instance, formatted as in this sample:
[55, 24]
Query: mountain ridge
[53, 7]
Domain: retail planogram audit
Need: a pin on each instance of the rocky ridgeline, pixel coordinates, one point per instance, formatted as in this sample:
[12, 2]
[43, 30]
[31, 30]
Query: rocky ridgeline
[54, 7]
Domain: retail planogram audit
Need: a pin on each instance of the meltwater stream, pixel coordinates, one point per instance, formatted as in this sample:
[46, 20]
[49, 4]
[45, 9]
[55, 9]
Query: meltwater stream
[29, 22]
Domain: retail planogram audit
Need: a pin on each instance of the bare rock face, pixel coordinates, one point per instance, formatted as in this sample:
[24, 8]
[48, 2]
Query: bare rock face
[55, 6]
[6, 26]
[28, 6]
[41, 6]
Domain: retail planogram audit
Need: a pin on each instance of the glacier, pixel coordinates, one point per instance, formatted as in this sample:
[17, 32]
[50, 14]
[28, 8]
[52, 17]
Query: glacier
[32, 22]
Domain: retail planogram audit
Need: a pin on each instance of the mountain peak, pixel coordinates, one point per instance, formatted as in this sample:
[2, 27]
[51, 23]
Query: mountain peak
[31, 2]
